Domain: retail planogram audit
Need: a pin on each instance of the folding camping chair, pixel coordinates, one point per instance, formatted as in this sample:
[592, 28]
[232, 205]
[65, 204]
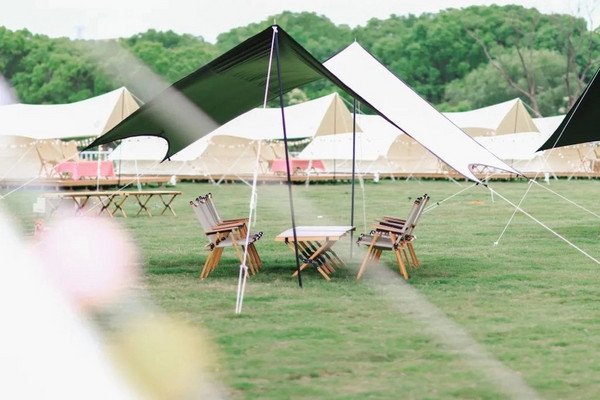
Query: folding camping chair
[395, 234]
[50, 156]
[409, 237]
[224, 233]
[70, 152]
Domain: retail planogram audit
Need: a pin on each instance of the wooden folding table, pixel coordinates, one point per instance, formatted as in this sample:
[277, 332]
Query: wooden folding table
[106, 199]
[143, 197]
[314, 246]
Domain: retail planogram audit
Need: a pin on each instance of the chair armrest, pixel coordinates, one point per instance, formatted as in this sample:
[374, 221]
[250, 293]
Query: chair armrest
[394, 219]
[235, 220]
[394, 224]
[225, 227]
[216, 229]
[387, 228]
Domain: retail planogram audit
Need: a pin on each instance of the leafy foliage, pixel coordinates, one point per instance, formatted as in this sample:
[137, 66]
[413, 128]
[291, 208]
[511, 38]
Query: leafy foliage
[447, 57]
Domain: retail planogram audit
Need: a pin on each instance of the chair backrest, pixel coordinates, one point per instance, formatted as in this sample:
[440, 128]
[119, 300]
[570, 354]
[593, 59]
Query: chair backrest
[212, 208]
[408, 222]
[70, 151]
[412, 215]
[410, 227]
[202, 213]
[48, 152]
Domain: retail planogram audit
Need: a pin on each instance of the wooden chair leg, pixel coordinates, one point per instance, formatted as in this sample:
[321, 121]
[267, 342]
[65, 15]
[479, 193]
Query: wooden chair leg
[255, 257]
[413, 254]
[375, 256]
[406, 259]
[368, 257]
[401, 265]
[211, 262]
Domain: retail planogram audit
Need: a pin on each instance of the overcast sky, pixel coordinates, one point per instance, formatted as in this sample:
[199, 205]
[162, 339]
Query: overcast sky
[104, 19]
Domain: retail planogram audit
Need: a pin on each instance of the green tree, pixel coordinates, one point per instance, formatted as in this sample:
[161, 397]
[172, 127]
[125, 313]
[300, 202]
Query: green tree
[53, 71]
[532, 31]
[170, 55]
[485, 85]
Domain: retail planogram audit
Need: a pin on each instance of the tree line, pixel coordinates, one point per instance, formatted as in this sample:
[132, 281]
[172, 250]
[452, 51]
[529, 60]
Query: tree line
[458, 59]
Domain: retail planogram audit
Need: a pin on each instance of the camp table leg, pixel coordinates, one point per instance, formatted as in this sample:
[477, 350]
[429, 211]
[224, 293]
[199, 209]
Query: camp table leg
[290, 244]
[119, 204]
[80, 203]
[321, 259]
[106, 202]
[313, 257]
[305, 252]
[333, 255]
[331, 259]
[167, 204]
[53, 204]
[143, 204]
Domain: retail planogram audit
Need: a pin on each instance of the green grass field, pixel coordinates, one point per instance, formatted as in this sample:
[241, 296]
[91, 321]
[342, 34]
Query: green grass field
[479, 320]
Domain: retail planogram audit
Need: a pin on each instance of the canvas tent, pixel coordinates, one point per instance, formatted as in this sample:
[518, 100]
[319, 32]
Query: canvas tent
[498, 119]
[235, 82]
[86, 118]
[142, 156]
[322, 116]
[379, 148]
[519, 150]
[403, 154]
[581, 124]
[232, 148]
[25, 126]
[580, 158]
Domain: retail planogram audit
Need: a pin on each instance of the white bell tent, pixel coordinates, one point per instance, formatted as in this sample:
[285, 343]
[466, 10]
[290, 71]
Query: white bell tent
[23, 126]
[498, 119]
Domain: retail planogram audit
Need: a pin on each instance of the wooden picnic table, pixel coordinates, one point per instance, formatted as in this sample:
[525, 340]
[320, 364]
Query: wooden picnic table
[143, 198]
[55, 199]
[114, 199]
[314, 246]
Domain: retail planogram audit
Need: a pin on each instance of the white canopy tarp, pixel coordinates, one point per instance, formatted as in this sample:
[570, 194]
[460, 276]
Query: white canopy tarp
[86, 118]
[498, 119]
[408, 111]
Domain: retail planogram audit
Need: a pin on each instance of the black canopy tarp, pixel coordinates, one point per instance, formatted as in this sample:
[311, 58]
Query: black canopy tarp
[582, 122]
[221, 90]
